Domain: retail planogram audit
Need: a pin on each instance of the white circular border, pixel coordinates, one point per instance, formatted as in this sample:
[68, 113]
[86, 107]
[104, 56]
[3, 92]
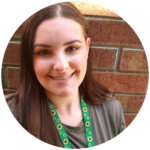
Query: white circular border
[134, 12]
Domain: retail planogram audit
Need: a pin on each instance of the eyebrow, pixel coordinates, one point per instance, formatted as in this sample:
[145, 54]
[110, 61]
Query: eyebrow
[44, 45]
[73, 41]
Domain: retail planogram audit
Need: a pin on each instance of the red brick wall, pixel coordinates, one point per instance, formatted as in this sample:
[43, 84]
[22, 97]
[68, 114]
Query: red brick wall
[119, 60]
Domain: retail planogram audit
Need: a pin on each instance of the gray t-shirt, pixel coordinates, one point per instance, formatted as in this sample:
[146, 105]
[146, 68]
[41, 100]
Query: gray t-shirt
[107, 121]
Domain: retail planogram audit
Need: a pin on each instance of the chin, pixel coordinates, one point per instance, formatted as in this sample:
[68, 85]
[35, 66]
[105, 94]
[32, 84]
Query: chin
[64, 94]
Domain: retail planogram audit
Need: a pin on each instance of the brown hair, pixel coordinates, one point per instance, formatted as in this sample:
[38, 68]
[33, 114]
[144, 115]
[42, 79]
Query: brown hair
[32, 110]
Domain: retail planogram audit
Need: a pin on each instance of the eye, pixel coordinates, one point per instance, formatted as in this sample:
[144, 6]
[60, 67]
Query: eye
[44, 52]
[72, 48]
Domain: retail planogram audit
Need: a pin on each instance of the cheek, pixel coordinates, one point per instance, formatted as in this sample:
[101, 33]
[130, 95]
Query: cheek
[80, 62]
[41, 67]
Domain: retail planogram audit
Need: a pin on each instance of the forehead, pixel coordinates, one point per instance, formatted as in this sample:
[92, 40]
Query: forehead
[59, 21]
[59, 27]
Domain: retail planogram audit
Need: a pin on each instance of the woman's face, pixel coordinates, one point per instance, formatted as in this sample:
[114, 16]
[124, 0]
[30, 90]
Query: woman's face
[60, 55]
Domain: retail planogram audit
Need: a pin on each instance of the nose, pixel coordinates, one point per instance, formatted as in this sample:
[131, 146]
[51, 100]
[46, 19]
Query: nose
[61, 63]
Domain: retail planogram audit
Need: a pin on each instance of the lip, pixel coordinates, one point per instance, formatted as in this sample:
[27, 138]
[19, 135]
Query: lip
[62, 80]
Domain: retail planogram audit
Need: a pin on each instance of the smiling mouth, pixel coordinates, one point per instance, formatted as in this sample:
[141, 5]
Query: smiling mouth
[62, 78]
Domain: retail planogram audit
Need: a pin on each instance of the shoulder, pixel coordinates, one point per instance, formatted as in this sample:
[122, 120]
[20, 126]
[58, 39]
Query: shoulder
[110, 113]
[114, 113]
[111, 104]
[110, 109]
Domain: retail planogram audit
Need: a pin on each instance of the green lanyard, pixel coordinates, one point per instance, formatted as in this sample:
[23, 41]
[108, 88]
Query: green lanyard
[61, 130]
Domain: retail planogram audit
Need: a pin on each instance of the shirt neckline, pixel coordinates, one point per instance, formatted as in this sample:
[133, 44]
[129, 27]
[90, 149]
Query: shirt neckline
[71, 128]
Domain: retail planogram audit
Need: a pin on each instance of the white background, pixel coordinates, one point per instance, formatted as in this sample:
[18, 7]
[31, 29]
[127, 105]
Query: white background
[14, 12]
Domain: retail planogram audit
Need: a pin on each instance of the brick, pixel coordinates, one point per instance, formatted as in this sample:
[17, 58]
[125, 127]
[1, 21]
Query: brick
[4, 77]
[129, 118]
[132, 60]
[122, 82]
[112, 33]
[92, 9]
[96, 76]
[103, 58]
[13, 77]
[131, 103]
[12, 54]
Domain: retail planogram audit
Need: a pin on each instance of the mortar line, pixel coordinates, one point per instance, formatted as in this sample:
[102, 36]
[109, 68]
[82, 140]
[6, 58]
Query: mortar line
[116, 46]
[117, 59]
[130, 113]
[88, 17]
[133, 49]
[15, 67]
[128, 94]
[118, 71]
[15, 42]
[104, 47]
[9, 89]
[11, 65]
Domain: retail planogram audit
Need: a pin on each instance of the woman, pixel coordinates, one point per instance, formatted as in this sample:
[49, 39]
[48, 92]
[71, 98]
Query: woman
[58, 100]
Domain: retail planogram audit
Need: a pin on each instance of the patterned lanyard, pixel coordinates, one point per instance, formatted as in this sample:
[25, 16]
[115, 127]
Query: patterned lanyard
[61, 130]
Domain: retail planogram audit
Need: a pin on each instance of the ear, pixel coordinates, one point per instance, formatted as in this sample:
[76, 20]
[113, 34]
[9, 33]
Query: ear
[88, 41]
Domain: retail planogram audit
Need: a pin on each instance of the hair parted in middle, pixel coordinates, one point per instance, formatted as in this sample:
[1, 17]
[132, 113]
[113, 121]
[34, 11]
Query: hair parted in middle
[32, 109]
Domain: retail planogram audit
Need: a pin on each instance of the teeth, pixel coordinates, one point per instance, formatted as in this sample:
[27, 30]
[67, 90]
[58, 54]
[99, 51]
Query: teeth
[62, 78]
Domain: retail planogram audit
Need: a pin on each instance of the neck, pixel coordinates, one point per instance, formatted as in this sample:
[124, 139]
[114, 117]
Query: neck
[65, 105]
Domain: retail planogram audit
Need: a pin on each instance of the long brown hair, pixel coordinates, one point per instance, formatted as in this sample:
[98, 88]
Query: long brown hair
[31, 106]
